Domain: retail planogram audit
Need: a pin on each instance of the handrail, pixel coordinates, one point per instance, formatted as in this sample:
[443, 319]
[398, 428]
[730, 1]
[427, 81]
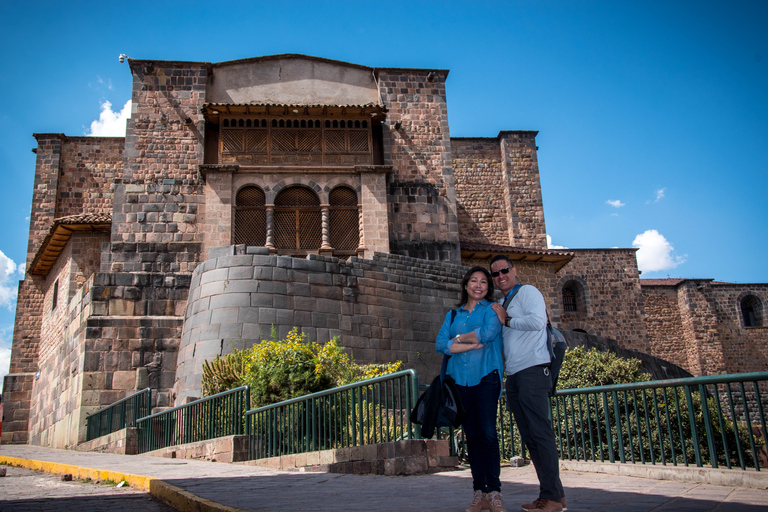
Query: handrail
[214, 416]
[119, 415]
[708, 379]
[714, 420]
[366, 412]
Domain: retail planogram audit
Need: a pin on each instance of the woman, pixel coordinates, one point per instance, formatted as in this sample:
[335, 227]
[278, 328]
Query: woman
[473, 339]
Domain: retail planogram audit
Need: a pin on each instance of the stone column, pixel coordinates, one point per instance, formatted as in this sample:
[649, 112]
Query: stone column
[361, 231]
[325, 246]
[270, 216]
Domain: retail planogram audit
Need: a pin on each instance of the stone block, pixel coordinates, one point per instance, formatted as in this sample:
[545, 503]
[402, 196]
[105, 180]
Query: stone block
[361, 467]
[124, 380]
[517, 462]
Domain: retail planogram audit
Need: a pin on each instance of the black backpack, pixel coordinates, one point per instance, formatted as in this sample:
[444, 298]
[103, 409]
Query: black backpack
[441, 404]
[557, 346]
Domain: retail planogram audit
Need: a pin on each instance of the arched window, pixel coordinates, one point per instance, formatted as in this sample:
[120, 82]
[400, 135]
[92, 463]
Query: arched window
[297, 221]
[250, 217]
[344, 224]
[751, 311]
[574, 297]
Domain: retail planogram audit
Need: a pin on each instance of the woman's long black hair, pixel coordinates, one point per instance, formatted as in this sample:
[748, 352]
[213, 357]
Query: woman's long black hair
[465, 281]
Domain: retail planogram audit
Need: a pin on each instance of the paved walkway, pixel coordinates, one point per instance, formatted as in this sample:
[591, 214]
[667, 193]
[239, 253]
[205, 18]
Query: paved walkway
[197, 485]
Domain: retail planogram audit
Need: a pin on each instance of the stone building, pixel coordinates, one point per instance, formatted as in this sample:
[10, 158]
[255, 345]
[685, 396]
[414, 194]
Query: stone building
[287, 191]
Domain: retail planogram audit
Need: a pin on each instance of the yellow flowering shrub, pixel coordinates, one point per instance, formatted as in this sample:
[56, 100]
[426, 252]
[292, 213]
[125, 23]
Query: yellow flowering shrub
[278, 370]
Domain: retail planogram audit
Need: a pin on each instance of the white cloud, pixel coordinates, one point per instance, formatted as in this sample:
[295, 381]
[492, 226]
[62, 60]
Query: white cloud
[550, 246]
[655, 252]
[109, 123]
[9, 287]
[616, 203]
[659, 196]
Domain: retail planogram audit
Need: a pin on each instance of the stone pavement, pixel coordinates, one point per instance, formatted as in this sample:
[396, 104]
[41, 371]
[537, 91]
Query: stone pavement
[25, 490]
[198, 485]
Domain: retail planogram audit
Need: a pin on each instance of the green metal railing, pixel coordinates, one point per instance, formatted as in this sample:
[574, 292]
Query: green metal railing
[121, 414]
[218, 415]
[717, 421]
[371, 411]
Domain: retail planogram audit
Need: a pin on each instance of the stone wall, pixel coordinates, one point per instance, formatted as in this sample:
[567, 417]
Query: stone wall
[745, 349]
[420, 191]
[119, 333]
[609, 285]
[386, 309]
[697, 324]
[44, 192]
[522, 192]
[482, 211]
[665, 328]
[159, 196]
[88, 167]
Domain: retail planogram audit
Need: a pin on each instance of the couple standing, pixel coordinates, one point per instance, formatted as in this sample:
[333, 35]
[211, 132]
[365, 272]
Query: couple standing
[485, 340]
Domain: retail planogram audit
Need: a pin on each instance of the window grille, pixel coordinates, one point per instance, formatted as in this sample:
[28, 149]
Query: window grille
[250, 217]
[344, 224]
[297, 220]
[569, 300]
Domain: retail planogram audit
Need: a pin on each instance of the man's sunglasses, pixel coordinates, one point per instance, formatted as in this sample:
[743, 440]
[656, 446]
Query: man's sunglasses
[504, 270]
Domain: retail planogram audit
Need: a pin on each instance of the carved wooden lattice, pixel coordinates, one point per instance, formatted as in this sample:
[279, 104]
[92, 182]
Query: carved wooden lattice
[285, 141]
[232, 141]
[344, 227]
[358, 141]
[334, 141]
[250, 217]
[256, 141]
[297, 220]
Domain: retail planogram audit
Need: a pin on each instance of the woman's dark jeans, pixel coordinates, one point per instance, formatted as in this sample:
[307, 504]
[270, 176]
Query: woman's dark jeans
[482, 402]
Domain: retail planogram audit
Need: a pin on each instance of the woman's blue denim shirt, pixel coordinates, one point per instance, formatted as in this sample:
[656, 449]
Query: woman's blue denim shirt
[467, 368]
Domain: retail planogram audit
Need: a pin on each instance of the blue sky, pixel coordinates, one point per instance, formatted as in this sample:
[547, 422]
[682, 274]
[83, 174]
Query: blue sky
[652, 115]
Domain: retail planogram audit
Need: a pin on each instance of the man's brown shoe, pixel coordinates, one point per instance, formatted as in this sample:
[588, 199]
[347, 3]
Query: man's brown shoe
[479, 502]
[531, 506]
[545, 505]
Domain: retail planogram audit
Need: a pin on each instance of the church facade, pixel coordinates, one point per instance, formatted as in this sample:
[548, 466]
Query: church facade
[286, 191]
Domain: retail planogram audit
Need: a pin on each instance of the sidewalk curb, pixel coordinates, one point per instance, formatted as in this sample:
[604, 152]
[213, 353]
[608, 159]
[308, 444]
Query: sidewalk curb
[179, 499]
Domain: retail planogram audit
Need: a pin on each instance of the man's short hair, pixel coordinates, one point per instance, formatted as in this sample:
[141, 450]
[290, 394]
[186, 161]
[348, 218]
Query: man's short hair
[500, 257]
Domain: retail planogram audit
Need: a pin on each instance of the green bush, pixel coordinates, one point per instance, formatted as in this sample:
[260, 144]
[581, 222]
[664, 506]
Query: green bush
[586, 368]
[278, 370]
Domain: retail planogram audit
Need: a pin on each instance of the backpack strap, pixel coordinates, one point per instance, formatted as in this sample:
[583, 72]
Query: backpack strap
[511, 296]
[446, 357]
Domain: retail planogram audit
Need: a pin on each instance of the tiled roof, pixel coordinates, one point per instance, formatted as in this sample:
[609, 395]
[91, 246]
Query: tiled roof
[58, 235]
[661, 282]
[557, 257]
[368, 109]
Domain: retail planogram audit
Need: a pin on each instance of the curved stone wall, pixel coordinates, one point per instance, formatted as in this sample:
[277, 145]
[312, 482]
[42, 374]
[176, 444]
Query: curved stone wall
[385, 309]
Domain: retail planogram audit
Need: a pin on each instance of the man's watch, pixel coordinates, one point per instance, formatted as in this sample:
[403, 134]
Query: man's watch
[506, 321]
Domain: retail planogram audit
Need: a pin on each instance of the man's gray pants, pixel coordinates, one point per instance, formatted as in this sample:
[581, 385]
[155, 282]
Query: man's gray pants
[528, 400]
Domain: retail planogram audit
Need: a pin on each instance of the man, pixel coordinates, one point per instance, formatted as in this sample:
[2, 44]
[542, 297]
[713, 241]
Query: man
[526, 361]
